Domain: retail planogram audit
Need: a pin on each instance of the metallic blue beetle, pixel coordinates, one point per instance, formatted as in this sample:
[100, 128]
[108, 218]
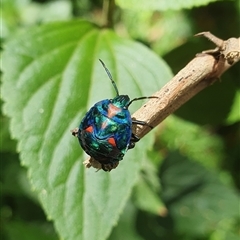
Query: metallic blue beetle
[105, 133]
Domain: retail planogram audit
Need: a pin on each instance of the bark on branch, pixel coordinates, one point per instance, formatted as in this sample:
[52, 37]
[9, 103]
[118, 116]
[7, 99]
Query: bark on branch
[205, 69]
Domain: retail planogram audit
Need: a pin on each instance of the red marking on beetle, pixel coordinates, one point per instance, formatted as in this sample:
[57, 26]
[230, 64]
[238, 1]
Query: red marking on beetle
[112, 141]
[89, 129]
[112, 110]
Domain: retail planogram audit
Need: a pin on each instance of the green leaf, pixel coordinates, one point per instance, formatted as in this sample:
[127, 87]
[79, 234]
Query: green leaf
[143, 191]
[147, 192]
[234, 115]
[195, 141]
[7, 144]
[52, 76]
[29, 231]
[197, 200]
[126, 228]
[161, 5]
[228, 229]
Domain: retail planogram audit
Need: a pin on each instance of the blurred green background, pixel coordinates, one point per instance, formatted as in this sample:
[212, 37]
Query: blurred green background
[193, 181]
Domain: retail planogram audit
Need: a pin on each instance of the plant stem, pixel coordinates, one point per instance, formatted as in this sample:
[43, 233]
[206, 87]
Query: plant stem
[108, 13]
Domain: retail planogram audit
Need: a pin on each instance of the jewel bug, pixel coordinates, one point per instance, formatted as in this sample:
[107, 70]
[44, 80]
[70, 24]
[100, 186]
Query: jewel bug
[105, 132]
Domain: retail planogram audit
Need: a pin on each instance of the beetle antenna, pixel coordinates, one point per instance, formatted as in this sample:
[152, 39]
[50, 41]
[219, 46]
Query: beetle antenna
[110, 77]
[140, 98]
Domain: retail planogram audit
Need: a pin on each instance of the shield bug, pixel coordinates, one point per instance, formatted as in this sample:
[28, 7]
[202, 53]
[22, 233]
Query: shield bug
[105, 132]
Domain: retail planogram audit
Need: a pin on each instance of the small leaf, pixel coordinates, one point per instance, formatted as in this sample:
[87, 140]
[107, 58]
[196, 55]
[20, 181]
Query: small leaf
[52, 76]
[161, 5]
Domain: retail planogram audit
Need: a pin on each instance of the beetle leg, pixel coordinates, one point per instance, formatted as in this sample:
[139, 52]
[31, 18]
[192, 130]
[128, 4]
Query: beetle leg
[75, 132]
[131, 145]
[141, 123]
[134, 139]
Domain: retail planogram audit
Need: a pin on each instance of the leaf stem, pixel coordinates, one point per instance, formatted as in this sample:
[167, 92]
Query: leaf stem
[75, 8]
[108, 13]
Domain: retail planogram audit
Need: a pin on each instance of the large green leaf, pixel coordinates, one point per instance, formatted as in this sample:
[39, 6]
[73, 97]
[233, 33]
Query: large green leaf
[51, 77]
[161, 5]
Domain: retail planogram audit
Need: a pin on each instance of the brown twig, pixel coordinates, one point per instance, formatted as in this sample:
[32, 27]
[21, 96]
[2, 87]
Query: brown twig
[201, 72]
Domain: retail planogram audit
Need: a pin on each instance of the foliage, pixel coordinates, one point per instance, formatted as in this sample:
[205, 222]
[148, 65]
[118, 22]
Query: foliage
[171, 185]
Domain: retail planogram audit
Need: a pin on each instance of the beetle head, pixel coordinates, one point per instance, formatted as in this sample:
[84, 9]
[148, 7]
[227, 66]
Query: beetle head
[121, 101]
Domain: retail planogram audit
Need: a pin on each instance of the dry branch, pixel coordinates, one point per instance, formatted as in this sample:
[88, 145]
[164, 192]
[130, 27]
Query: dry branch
[201, 72]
